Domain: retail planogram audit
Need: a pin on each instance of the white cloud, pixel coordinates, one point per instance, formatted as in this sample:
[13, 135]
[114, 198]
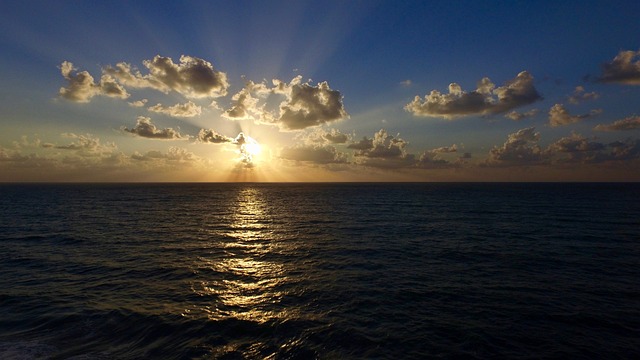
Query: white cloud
[486, 99]
[628, 123]
[188, 109]
[82, 87]
[145, 128]
[622, 69]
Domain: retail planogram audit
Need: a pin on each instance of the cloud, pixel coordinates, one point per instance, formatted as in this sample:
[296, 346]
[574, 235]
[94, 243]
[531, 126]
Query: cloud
[320, 136]
[578, 149]
[138, 103]
[192, 77]
[319, 154]
[244, 105]
[211, 136]
[622, 69]
[430, 159]
[521, 148]
[188, 109]
[516, 116]
[82, 87]
[364, 144]
[559, 116]
[86, 145]
[486, 99]
[628, 123]
[308, 105]
[174, 154]
[579, 95]
[383, 151]
[406, 83]
[145, 128]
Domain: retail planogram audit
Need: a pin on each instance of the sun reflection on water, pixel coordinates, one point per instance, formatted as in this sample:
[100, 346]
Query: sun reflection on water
[246, 281]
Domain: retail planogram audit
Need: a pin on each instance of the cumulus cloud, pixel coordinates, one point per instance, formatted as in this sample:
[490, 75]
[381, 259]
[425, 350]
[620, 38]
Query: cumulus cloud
[559, 115]
[245, 105]
[383, 151]
[628, 123]
[82, 87]
[138, 103]
[319, 154]
[486, 99]
[211, 136]
[364, 144]
[579, 95]
[521, 148]
[192, 77]
[516, 116]
[383, 145]
[622, 69]
[188, 109]
[578, 149]
[306, 105]
[145, 128]
[430, 159]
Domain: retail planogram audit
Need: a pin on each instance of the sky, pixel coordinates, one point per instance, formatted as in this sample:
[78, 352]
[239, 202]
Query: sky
[305, 91]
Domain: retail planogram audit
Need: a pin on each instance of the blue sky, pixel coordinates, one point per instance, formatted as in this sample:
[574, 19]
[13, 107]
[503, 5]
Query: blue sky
[331, 87]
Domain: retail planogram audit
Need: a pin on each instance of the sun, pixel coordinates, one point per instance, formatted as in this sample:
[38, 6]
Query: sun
[249, 148]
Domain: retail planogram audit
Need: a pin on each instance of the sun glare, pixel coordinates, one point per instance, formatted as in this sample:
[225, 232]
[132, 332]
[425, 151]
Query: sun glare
[249, 148]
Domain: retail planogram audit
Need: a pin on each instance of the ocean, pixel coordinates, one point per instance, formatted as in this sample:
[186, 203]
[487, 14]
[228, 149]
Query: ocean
[320, 271]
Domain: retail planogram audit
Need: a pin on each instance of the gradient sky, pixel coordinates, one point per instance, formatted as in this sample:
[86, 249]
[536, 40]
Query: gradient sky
[330, 90]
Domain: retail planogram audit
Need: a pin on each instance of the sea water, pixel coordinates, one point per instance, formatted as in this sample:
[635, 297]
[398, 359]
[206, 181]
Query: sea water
[327, 271]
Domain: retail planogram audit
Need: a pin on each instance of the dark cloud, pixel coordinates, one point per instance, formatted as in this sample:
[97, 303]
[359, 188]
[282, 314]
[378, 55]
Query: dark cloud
[486, 99]
[430, 159]
[622, 69]
[578, 149]
[192, 77]
[521, 148]
[308, 105]
[82, 87]
[145, 128]
[364, 144]
[628, 123]
[319, 154]
[211, 136]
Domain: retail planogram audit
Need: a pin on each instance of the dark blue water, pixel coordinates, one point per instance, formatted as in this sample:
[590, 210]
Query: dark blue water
[328, 271]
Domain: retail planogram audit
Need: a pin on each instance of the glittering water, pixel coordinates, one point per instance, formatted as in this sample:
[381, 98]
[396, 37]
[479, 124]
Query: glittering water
[401, 271]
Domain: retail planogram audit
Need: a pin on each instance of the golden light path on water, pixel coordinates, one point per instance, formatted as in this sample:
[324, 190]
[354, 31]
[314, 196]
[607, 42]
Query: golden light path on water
[245, 284]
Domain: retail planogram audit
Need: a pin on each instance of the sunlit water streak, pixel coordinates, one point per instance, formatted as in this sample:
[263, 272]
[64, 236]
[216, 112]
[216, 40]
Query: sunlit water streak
[319, 271]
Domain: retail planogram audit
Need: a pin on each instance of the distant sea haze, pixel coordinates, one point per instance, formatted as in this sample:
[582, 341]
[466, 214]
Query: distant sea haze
[326, 271]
